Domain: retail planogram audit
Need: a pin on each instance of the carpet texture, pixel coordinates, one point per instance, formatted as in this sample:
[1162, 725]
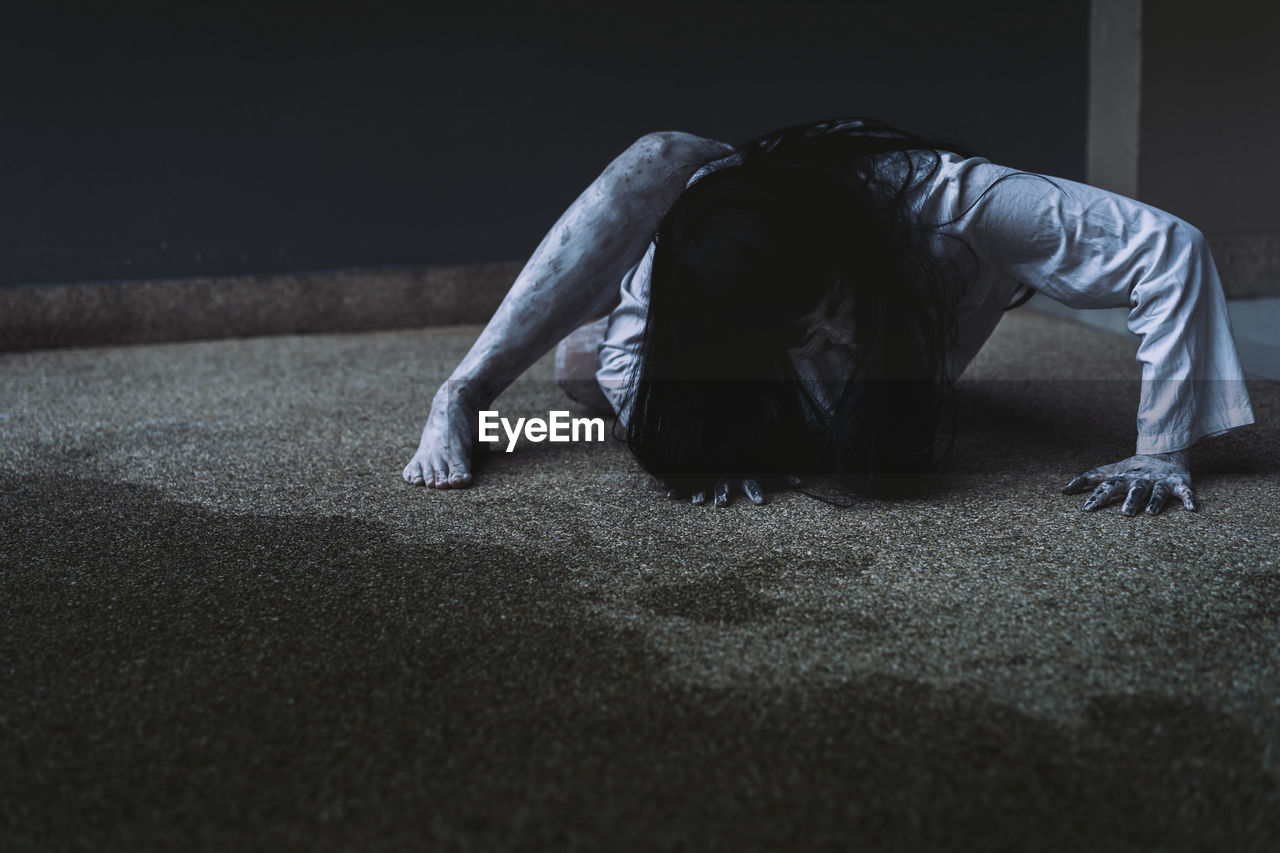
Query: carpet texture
[228, 624]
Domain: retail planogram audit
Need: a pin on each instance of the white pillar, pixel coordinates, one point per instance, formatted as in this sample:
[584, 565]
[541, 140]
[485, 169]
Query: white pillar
[1184, 114]
[1115, 94]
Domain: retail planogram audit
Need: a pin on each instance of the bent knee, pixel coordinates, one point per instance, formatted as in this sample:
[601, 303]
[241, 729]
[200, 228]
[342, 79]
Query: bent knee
[658, 144]
[676, 148]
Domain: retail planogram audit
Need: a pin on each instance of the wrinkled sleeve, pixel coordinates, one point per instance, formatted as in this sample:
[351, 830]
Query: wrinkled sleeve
[625, 331]
[623, 336]
[1089, 248]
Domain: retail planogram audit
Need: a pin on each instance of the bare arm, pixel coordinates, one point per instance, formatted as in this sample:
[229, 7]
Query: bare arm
[571, 277]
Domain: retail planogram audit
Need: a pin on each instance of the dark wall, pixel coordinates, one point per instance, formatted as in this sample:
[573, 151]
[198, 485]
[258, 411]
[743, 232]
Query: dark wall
[142, 141]
[1207, 80]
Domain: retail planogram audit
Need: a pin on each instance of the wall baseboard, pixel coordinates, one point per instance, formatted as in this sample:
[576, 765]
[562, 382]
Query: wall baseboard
[133, 312]
[354, 300]
[1249, 265]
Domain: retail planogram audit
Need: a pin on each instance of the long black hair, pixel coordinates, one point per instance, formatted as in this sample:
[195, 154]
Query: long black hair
[800, 244]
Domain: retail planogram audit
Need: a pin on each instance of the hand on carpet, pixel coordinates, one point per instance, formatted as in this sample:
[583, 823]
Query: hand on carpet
[1148, 480]
[724, 488]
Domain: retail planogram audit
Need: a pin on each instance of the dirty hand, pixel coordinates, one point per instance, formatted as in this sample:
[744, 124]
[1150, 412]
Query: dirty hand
[726, 486]
[1142, 479]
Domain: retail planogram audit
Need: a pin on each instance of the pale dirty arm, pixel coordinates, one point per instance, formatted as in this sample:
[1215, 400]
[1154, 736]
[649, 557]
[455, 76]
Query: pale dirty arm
[1089, 248]
[572, 276]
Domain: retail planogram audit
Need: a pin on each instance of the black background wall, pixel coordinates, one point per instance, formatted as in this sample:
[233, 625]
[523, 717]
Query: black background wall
[148, 140]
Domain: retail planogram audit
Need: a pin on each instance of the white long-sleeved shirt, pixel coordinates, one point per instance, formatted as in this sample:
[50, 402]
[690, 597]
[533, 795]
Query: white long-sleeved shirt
[1082, 246]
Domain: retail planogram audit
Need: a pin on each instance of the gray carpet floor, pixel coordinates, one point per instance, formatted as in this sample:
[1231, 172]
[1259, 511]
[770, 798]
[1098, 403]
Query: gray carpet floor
[228, 624]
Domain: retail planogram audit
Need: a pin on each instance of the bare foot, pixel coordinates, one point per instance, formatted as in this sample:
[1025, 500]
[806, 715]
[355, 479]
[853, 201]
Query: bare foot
[443, 459]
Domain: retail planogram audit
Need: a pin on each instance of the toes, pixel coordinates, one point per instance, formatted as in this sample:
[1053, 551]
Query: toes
[443, 476]
[1103, 494]
[436, 479]
[699, 498]
[1159, 496]
[459, 472]
[722, 493]
[413, 474]
[1185, 494]
[753, 491]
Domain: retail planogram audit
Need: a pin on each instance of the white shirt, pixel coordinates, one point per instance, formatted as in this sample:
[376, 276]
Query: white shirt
[1082, 246]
